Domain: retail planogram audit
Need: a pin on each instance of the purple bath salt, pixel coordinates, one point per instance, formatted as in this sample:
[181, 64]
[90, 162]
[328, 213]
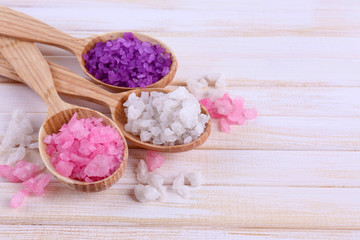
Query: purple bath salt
[127, 62]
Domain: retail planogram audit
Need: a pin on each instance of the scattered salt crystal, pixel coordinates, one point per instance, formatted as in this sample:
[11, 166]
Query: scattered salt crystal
[229, 111]
[7, 171]
[85, 149]
[157, 181]
[18, 155]
[154, 160]
[194, 178]
[25, 170]
[37, 184]
[146, 193]
[164, 119]
[179, 186]
[142, 172]
[18, 199]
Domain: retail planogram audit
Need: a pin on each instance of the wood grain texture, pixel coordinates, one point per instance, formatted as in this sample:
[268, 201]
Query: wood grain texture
[96, 232]
[293, 173]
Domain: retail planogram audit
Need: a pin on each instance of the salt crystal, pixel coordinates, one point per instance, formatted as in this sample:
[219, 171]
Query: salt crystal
[37, 184]
[142, 172]
[157, 181]
[187, 140]
[194, 178]
[179, 186]
[224, 125]
[146, 193]
[250, 114]
[7, 171]
[25, 170]
[18, 155]
[18, 199]
[154, 160]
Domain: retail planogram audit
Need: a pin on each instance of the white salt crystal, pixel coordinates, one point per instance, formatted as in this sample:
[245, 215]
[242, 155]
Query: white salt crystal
[16, 156]
[157, 181]
[194, 178]
[213, 77]
[145, 136]
[221, 82]
[187, 139]
[146, 193]
[179, 186]
[142, 172]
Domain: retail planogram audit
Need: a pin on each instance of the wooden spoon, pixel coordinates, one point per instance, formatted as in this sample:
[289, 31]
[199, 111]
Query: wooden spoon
[69, 83]
[21, 26]
[33, 69]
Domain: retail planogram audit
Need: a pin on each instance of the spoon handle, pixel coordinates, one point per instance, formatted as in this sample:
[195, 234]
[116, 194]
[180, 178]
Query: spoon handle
[69, 83]
[21, 26]
[32, 68]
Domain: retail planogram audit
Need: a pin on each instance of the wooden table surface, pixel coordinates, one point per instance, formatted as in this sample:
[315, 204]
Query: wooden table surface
[293, 173]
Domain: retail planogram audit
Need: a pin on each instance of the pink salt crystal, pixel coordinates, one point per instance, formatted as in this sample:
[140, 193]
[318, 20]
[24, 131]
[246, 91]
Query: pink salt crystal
[7, 171]
[25, 170]
[154, 160]
[236, 117]
[99, 166]
[224, 105]
[37, 184]
[207, 103]
[47, 139]
[224, 126]
[215, 115]
[18, 199]
[65, 168]
[238, 102]
[250, 114]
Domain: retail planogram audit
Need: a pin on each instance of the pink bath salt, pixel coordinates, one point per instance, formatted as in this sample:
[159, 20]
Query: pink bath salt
[250, 114]
[215, 115]
[154, 160]
[7, 172]
[236, 117]
[207, 103]
[226, 98]
[50, 149]
[223, 107]
[25, 170]
[100, 166]
[65, 168]
[48, 139]
[37, 184]
[18, 199]
[238, 102]
[65, 139]
[224, 126]
[86, 149]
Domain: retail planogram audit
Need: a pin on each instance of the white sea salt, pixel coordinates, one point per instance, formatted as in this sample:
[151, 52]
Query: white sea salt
[146, 193]
[165, 119]
[142, 172]
[157, 181]
[179, 186]
[194, 178]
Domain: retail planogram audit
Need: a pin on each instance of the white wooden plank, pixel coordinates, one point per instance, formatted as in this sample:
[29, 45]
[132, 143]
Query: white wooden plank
[241, 18]
[24, 232]
[222, 206]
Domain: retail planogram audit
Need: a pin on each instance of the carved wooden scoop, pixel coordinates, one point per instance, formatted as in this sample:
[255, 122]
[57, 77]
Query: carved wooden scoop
[69, 83]
[21, 26]
[33, 69]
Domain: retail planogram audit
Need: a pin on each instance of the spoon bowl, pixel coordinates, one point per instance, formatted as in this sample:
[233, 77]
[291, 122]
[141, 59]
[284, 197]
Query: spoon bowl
[53, 124]
[120, 119]
[33, 69]
[163, 82]
[21, 26]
